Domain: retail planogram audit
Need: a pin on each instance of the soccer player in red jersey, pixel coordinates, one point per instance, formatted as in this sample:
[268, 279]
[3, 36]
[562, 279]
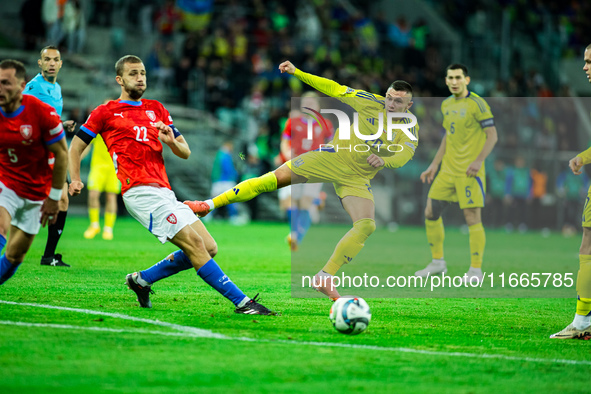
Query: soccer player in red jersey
[299, 200]
[29, 188]
[134, 130]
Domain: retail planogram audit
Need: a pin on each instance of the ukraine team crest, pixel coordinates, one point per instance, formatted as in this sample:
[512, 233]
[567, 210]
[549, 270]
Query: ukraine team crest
[26, 131]
[171, 218]
[151, 115]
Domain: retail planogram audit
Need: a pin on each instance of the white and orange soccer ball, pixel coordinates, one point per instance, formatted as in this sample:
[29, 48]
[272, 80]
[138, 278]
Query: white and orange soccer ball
[350, 315]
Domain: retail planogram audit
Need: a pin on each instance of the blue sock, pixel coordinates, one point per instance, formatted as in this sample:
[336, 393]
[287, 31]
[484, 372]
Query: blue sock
[6, 269]
[2, 242]
[167, 267]
[213, 275]
[304, 223]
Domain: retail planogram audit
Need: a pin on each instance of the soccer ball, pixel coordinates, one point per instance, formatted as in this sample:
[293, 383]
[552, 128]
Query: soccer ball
[350, 315]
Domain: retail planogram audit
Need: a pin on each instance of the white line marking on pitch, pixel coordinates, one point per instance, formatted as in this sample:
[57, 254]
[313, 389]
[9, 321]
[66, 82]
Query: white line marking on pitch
[193, 332]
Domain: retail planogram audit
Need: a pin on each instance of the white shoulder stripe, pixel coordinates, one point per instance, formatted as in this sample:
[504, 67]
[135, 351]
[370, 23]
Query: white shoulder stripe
[56, 130]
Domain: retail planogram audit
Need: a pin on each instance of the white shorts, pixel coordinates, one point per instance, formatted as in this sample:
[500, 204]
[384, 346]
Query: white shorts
[311, 190]
[25, 214]
[158, 210]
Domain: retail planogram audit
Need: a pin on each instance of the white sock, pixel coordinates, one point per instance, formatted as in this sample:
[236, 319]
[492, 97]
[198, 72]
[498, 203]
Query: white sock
[581, 321]
[210, 203]
[243, 302]
[140, 281]
[438, 261]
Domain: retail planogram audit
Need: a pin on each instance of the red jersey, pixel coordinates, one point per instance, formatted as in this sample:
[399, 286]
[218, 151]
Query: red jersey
[24, 137]
[296, 130]
[127, 127]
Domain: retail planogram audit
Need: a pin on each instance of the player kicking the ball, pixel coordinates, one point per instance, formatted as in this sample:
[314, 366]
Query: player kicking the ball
[349, 170]
[133, 130]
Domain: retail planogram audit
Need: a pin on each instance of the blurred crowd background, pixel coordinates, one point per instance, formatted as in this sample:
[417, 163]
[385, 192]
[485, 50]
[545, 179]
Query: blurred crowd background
[213, 63]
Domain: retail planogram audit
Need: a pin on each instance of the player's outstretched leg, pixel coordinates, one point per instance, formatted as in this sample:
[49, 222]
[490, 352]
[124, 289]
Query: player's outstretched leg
[435, 236]
[54, 233]
[244, 191]
[7, 268]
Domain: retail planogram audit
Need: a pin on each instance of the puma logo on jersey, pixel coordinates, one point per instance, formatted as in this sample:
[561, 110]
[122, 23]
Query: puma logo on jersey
[116, 114]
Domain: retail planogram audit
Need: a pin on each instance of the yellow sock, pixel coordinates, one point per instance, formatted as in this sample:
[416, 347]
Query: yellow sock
[247, 190]
[110, 219]
[584, 282]
[350, 245]
[93, 215]
[583, 306]
[477, 242]
[435, 237]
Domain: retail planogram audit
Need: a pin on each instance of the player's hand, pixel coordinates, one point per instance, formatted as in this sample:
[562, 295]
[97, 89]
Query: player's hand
[75, 188]
[575, 165]
[49, 211]
[375, 161]
[429, 174]
[165, 133]
[474, 168]
[69, 126]
[287, 67]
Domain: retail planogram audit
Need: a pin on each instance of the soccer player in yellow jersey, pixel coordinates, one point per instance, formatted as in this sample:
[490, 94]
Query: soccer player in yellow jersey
[102, 178]
[581, 325]
[348, 163]
[469, 138]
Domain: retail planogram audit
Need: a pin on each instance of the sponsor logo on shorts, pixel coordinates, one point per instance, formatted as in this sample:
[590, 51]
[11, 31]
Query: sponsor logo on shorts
[171, 218]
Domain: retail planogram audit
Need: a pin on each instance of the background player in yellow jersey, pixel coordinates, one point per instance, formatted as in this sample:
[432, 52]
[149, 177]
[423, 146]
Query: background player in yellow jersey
[102, 178]
[581, 325]
[348, 170]
[469, 138]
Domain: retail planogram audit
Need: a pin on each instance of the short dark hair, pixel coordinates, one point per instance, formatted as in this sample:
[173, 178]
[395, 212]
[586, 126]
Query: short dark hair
[19, 68]
[125, 59]
[401, 86]
[457, 66]
[46, 48]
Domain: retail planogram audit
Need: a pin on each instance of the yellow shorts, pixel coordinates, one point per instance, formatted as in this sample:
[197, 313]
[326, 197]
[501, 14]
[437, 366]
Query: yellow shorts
[586, 219]
[103, 179]
[468, 191]
[327, 167]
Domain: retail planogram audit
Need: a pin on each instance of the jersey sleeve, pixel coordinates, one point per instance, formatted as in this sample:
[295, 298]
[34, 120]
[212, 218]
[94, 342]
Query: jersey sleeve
[341, 92]
[167, 120]
[482, 113]
[408, 150]
[586, 156]
[286, 135]
[51, 125]
[94, 124]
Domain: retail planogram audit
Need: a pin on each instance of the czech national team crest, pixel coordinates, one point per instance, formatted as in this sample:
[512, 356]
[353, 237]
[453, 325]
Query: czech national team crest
[151, 115]
[26, 131]
[171, 218]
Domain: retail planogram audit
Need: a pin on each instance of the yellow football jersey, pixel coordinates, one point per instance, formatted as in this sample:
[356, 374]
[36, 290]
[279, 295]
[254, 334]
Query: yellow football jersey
[354, 151]
[464, 120]
[100, 154]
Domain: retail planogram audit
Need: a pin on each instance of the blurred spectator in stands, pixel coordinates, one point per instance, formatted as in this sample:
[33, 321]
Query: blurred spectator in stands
[32, 23]
[167, 19]
[495, 193]
[50, 13]
[74, 26]
[102, 12]
[517, 193]
[400, 33]
[538, 192]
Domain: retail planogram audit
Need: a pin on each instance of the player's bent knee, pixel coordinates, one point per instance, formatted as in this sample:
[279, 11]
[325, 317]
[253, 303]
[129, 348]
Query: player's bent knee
[212, 250]
[15, 257]
[365, 226]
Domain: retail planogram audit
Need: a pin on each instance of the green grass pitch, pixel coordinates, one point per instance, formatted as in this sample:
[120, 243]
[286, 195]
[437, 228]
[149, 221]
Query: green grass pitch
[191, 341]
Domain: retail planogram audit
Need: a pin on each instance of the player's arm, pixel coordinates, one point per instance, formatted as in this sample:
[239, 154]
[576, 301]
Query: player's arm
[577, 162]
[173, 138]
[285, 145]
[77, 146]
[50, 207]
[399, 159]
[491, 140]
[429, 174]
[326, 86]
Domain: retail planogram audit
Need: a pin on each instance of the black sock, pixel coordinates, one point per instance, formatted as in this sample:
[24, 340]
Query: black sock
[54, 233]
